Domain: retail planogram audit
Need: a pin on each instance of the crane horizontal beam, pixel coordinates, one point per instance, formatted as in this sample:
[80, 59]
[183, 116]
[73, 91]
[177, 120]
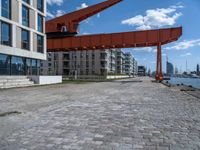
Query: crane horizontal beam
[133, 39]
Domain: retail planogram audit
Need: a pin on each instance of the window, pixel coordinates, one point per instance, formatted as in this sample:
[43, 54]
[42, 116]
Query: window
[66, 57]
[93, 56]
[93, 72]
[87, 55]
[55, 56]
[25, 39]
[27, 1]
[34, 66]
[6, 8]
[40, 44]
[38, 67]
[49, 54]
[87, 72]
[40, 23]
[13, 65]
[18, 65]
[87, 64]
[6, 34]
[81, 55]
[25, 16]
[28, 67]
[40, 5]
[93, 63]
[4, 64]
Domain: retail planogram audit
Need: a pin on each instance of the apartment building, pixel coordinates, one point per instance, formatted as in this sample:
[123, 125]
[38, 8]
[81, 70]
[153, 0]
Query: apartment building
[120, 61]
[87, 62]
[22, 40]
[128, 63]
[135, 67]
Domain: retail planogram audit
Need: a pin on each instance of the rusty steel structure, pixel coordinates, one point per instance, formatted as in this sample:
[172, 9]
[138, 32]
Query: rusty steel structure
[61, 33]
[68, 24]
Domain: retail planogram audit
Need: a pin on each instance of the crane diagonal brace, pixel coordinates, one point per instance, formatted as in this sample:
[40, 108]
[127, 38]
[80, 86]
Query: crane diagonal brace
[115, 40]
[72, 20]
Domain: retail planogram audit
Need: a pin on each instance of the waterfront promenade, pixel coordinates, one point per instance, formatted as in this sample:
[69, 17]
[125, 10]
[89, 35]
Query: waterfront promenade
[118, 115]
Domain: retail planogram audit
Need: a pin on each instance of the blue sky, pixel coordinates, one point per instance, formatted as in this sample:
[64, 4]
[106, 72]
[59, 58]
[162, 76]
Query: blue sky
[131, 15]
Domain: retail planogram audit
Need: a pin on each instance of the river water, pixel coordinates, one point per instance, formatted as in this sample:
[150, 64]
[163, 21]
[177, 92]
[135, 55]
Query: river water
[195, 82]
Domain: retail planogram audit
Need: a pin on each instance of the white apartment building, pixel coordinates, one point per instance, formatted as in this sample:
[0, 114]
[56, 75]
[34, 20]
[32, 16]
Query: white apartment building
[120, 61]
[135, 67]
[22, 40]
[128, 63]
[86, 62]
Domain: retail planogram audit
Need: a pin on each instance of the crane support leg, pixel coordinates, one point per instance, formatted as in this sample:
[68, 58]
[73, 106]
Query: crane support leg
[159, 75]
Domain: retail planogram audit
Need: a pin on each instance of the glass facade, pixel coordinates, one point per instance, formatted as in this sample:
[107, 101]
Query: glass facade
[40, 23]
[28, 66]
[40, 44]
[6, 8]
[17, 65]
[13, 65]
[34, 67]
[21, 65]
[25, 16]
[25, 39]
[40, 5]
[5, 65]
[27, 1]
[6, 34]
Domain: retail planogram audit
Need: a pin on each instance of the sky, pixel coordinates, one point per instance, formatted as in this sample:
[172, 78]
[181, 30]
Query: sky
[134, 15]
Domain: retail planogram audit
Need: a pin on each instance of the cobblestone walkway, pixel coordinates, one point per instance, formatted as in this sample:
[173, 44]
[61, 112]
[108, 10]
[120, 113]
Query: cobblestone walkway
[120, 115]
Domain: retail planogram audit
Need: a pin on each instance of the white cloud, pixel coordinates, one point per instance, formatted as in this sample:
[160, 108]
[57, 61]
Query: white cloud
[57, 2]
[59, 13]
[179, 5]
[186, 54]
[98, 15]
[50, 15]
[155, 18]
[83, 5]
[145, 49]
[55, 14]
[85, 33]
[184, 44]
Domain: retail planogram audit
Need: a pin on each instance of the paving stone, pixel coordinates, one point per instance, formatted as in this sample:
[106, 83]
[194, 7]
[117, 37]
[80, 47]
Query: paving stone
[119, 115]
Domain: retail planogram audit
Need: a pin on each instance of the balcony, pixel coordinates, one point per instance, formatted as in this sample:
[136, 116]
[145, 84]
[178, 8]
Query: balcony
[112, 55]
[103, 56]
[113, 62]
[66, 57]
[66, 65]
[104, 64]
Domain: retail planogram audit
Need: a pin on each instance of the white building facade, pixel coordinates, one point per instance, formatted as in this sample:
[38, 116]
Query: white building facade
[86, 62]
[120, 62]
[23, 40]
[135, 67]
[128, 64]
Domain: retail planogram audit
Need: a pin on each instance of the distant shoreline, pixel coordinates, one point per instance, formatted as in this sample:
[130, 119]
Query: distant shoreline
[193, 91]
[192, 82]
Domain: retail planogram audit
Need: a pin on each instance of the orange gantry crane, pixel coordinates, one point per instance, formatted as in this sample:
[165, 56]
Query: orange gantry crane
[61, 35]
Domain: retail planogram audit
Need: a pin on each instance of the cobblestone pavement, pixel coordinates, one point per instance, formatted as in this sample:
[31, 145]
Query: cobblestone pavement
[120, 115]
